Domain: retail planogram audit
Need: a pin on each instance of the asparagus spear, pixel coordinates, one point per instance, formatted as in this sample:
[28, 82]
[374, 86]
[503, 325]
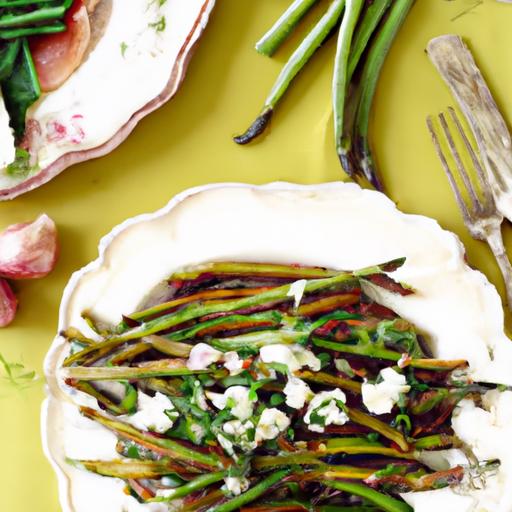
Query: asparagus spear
[127, 372]
[200, 482]
[329, 380]
[126, 355]
[372, 350]
[371, 19]
[356, 158]
[378, 426]
[283, 27]
[254, 270]
[254, 492]
[37, 16]
[340, 81]
[109, 405]
[160, 445]
[18, 32]
[204, 295]
[385, 502]
[128, 468]
[395, 479]
[296, 62]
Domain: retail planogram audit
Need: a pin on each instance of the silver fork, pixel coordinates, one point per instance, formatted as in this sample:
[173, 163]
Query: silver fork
[480, 215]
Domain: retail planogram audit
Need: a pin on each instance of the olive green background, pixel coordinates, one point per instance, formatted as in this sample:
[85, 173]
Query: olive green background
[188, 143]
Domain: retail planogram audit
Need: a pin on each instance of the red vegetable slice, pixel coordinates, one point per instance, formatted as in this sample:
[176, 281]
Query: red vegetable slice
[8, 304]
[29, 250]
[56, 56]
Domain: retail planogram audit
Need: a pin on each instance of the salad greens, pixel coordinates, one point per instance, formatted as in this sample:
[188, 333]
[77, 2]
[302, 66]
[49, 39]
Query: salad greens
[264, 376]
[20, 19]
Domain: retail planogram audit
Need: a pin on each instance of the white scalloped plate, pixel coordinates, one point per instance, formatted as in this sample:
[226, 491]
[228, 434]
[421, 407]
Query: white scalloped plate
[335, 225]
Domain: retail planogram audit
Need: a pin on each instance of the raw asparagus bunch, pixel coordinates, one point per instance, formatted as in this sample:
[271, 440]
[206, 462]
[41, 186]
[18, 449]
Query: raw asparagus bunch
[366, 32]
[264, 375]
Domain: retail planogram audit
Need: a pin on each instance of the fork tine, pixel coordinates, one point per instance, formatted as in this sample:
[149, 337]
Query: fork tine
[484, 184]
[447, 170]
[460, 166]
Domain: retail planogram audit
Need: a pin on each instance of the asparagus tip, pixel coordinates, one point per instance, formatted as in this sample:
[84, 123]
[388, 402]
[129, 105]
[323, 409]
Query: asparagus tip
[264, 49]
[256, 128]
[368, 169]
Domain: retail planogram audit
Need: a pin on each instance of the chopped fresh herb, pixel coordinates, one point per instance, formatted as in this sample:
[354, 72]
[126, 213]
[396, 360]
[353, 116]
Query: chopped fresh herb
[277, 399]
[21, 167]
[159, 25]
[124, 47]
[15, 374]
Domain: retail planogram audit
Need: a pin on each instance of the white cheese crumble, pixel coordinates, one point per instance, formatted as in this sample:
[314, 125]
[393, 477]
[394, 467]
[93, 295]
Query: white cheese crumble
[293, 356]
[242, 405]
[7, 147]
[272, 422]
[380, 398]
[324, 404]
[297, 291]
[239, 433]
[226, 444]
[202, 356]
[235, 484]
[198, 431]
[297, 393]
[233, 363]
[151, 414]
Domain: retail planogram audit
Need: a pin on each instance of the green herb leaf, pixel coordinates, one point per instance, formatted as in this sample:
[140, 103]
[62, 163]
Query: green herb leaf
[21, 89]
[16, 375]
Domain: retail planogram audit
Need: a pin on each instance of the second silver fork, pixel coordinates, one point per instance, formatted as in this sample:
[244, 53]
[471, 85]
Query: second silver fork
[480, 214]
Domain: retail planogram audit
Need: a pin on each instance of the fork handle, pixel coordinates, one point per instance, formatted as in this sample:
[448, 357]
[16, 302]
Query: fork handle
[495, 241]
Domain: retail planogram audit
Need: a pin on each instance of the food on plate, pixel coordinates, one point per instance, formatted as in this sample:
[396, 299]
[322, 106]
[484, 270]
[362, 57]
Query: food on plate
[366, 32]
[193, 378]
[42, 44]
[28, 250]
[266, 387]
[76, 76]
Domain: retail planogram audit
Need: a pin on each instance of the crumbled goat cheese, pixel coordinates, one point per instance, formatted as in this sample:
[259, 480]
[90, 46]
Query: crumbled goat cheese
[202, 356]
[297, 393]
[233, 363]
[151, 414]
[226, 444]
[198, 431]
[297, 291]
[236, 485]
[324, 404]
[380, 398]
[240, 434]
[239, 395]
[272, 422]
[293, 356]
